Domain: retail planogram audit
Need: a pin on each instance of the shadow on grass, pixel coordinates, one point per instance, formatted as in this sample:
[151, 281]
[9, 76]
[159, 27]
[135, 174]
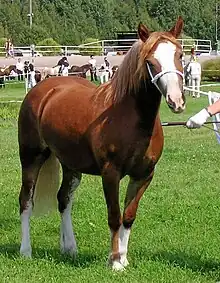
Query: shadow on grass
[83, 260]
[183, 260]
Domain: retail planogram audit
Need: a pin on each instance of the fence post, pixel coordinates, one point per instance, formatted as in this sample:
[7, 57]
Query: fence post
[26, 84]
[103, 47]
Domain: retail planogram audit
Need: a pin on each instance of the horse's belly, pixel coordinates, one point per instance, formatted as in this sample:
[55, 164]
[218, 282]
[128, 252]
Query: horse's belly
[72, 152]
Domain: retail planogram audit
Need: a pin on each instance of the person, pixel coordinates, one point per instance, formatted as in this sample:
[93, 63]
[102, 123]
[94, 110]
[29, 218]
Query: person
[92, 61]
[32, 48]
[202, 116]
[6, 46]
[104, 74]
[107, 68]
[64, 65]
[31, 76]
[9, 48]
[195, 70]
[192, 53]
[20, 69]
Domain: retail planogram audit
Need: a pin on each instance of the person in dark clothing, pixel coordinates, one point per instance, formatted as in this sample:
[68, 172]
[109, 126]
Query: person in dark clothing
[64, 64]
[93, 74]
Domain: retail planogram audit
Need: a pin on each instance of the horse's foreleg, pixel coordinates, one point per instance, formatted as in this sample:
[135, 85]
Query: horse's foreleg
[135, 190]
[31, 163]
[70, 182]
[110, 180]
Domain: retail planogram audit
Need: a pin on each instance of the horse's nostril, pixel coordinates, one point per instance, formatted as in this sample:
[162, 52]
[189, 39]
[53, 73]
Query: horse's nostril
[170, 101]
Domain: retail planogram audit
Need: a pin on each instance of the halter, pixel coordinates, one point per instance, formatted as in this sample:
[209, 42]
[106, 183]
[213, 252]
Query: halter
[155, 78]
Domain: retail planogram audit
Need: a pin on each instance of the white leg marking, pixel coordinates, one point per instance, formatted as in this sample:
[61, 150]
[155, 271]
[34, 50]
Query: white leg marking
[123, 244]
[25, 248]
[67, 237]
[123, 249]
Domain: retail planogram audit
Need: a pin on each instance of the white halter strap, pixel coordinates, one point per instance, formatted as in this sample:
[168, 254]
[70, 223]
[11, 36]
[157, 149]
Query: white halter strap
[155, 78]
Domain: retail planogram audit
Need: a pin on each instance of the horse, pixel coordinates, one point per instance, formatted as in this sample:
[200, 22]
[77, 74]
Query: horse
[5, 71]
[79, 70]
[111, 130]
[50, 71]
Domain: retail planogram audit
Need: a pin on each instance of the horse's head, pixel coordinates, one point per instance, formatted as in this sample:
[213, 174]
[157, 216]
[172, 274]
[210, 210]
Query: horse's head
[162, 54]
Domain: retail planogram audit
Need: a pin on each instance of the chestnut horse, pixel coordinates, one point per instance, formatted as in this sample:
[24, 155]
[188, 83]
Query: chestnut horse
[5, 71]
[111, 130]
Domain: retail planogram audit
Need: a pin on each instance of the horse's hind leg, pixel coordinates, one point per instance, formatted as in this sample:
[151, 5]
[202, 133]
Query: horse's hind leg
[70, 182]
[135, 190]
[31, 162]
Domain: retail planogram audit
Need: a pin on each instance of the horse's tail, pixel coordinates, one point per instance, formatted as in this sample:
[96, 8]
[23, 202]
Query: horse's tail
[47, 186]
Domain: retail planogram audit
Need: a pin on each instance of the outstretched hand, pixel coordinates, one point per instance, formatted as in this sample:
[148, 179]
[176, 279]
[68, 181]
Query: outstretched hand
[198, 120]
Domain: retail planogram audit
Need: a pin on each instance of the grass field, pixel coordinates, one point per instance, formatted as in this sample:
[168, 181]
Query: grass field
[175, 237]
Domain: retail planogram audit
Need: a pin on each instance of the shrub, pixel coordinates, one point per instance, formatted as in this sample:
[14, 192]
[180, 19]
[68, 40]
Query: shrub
[56, 50]
[211, 69]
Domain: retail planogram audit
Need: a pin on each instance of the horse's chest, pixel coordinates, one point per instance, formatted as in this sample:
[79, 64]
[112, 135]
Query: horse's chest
[141, 159]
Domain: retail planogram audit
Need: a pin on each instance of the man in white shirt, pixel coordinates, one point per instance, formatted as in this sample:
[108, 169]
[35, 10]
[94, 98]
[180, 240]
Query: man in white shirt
[20, 69]
[195, 70]
[92, 61]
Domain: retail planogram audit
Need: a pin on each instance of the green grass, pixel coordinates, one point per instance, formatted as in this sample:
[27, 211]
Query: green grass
[175, 237]
[15, 91]
[12, 91]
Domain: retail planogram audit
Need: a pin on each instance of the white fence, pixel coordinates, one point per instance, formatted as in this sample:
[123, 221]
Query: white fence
[104, 47]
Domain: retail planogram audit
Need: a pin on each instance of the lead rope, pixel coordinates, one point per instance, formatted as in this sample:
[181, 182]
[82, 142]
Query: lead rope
[211, 129]
[184, 124]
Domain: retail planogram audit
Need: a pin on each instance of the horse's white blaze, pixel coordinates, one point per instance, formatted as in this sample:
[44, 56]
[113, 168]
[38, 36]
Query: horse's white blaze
[25, 248]
[165, 53]
[67, 237]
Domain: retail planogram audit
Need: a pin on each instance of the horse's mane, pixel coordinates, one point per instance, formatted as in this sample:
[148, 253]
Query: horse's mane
[133, 68]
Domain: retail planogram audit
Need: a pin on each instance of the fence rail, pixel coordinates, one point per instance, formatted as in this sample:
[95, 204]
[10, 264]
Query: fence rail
[103, 47]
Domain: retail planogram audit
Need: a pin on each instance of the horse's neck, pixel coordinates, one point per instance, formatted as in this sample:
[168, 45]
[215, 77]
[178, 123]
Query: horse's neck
[87, 67]
[147, 102]
[10, 68]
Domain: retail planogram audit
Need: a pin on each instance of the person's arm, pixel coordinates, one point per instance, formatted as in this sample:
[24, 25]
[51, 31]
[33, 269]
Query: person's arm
[202, 116]
[214, 108]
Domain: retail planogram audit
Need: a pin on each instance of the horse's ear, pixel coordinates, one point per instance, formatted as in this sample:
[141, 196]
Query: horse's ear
[178, 28]
[143, 32]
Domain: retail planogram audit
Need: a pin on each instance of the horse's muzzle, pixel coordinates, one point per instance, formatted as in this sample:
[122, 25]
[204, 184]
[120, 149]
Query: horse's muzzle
[176, 106]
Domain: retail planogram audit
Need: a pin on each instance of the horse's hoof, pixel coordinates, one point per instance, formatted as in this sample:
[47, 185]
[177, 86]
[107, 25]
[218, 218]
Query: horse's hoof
[124, 261]
[117, 266]
[71, 251]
